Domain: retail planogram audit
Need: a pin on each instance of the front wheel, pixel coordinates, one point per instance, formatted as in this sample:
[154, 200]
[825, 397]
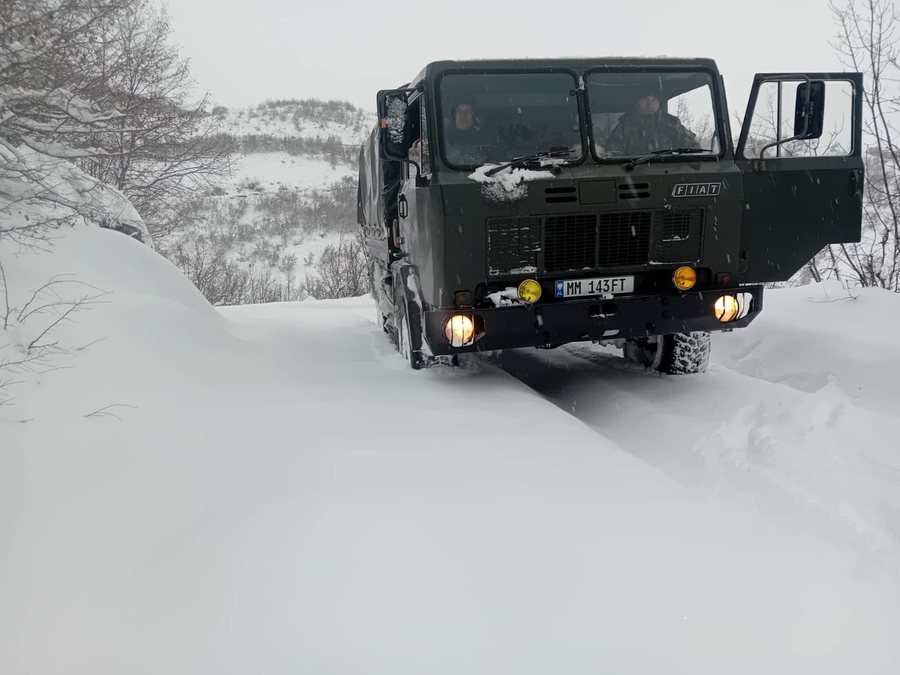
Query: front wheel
[676, 354]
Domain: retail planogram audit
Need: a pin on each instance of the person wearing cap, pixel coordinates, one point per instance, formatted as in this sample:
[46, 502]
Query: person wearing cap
[647, 128]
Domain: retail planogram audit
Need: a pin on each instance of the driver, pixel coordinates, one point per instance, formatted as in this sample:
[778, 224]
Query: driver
[646, 128]
[465, 139]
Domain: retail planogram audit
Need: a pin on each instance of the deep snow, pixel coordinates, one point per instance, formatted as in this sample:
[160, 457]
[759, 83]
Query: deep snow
[277, 493]
[274, 170]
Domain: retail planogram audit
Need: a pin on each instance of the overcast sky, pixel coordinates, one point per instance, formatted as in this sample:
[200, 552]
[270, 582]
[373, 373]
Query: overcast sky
[247, 51]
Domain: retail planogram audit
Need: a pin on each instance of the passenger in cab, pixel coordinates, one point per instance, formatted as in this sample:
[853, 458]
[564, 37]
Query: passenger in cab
[647, 128]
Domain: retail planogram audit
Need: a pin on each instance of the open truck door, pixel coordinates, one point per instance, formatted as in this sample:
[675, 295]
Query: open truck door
[800, 152]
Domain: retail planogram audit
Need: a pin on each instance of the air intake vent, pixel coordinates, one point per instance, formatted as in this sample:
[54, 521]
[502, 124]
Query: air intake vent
[634, 191]
[678, 236]
[560, 195]
[624, 238]
[570, 242]
[513, 245]
[677, 225]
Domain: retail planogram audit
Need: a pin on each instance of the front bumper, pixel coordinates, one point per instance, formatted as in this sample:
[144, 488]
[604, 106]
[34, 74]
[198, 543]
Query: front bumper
[560, 322]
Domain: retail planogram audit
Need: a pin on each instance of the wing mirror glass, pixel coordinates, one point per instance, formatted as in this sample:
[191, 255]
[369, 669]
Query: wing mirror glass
[393, 123]
[809, 115]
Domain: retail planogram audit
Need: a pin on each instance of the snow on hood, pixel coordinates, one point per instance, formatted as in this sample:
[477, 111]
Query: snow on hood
[36, 186]
[507, 185]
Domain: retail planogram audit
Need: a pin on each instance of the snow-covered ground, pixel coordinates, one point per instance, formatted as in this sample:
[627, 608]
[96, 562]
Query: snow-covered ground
[276, 169]
[283, 121]
[268, 489]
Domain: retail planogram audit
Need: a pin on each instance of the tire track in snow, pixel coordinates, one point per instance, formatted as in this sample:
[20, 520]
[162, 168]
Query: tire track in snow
[796, 448]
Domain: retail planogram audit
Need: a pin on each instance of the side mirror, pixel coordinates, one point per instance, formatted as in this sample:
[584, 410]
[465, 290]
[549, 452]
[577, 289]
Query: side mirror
[393, 124]
[809, 114]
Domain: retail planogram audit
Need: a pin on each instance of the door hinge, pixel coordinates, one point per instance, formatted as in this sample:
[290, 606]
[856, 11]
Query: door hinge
[856, 181]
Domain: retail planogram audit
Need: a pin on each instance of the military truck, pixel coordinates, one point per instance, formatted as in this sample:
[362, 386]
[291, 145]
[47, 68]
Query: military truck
[534, 203]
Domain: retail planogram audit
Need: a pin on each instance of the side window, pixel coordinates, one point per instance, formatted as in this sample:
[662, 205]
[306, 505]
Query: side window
[773, 119]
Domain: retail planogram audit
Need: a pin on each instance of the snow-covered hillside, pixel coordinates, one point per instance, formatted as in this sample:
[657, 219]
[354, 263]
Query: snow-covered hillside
[268, 489]
[260, 172]
[309, 119]
[292, 196]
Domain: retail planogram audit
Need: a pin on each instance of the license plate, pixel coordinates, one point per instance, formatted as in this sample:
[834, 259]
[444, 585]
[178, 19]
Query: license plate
[574, 288]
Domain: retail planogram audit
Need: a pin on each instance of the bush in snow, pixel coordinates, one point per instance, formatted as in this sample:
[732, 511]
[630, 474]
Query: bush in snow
[28, 345]
[340, 272]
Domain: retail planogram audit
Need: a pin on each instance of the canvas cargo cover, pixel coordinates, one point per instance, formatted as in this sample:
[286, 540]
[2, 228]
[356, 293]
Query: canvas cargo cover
[379, 182]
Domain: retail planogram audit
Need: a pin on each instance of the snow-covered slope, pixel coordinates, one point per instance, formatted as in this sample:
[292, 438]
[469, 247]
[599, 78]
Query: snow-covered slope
[309, 119]
[301, 144]
[292, 195]
[271, 171]
[267, 489]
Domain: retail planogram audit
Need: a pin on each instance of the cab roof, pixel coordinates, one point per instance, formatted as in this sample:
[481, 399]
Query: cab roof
[578, 63]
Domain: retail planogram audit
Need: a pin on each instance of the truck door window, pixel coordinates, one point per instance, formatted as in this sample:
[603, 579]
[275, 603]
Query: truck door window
[493, 117]
[768, 126]
[638, 113]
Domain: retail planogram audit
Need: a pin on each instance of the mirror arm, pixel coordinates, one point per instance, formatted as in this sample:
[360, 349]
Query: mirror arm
[805, 122]
[409, 161]
[418, 168]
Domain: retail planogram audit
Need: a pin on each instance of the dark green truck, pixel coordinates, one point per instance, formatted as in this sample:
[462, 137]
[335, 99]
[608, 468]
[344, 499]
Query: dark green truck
[534, 203]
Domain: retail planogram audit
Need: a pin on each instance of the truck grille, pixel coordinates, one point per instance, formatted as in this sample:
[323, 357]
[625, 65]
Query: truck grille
[624, 238]
[596, 240]
[584, 241]
[570, 242]
[678, 237]
[513, 245]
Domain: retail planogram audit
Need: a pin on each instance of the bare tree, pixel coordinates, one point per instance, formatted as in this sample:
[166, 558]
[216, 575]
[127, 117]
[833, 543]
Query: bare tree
[45, 110]
[100, 83]
[164, 147]
[867, 42]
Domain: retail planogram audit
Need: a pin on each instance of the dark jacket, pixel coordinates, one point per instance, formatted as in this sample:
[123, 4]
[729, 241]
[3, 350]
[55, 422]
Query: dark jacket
[638, 134]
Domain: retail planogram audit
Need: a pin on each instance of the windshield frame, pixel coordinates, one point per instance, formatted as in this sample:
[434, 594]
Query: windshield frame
[716, 98]
[439, 118]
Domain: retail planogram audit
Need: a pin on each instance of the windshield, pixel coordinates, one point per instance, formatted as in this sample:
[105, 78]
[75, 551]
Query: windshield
[634, 114]
[492, 118]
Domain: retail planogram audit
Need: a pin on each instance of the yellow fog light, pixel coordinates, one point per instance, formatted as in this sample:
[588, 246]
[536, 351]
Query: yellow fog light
[727, 308]
[459, 330]
[529, 291]
[685, 278]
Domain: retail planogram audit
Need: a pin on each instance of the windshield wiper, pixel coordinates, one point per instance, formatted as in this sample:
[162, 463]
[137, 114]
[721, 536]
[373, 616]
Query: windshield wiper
[520, 162]
[664, 153]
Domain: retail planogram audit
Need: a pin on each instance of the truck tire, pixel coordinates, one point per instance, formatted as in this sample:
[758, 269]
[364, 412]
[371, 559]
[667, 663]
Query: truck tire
[676, 354]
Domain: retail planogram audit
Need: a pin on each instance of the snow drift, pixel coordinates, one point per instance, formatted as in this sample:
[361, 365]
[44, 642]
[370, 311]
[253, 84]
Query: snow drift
[39, 189]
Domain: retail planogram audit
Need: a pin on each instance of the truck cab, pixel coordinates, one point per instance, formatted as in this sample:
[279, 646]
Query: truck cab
[540, 202]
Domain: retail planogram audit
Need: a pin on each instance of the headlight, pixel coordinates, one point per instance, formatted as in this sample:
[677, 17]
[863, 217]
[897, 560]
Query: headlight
[459, 330]
[727, 308]
[732, 307]
[529, 291]
[685, 278]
